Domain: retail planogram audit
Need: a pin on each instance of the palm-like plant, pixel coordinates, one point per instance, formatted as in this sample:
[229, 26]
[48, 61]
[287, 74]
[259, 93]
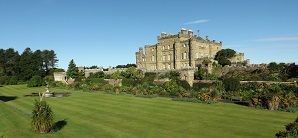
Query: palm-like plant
[42, 117]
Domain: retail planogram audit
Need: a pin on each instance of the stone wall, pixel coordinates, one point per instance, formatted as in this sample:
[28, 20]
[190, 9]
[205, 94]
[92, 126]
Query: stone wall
[60, 76]
[180, 51]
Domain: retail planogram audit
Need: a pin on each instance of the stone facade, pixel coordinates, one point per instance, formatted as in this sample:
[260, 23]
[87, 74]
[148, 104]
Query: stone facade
[238, 58]
[60, 76]
[181, 51]
[87, 72]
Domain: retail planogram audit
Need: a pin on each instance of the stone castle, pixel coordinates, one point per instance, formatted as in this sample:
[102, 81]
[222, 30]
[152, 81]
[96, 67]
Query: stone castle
[181, 51]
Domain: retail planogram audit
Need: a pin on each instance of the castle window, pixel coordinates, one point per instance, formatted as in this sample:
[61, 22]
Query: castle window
[163, 47]
[184, 45]
[169, 57]
[184, 55]
[169, 66]
[197, 55]
[163, 58]
[168, 46]
[152, 49]
[152, 59]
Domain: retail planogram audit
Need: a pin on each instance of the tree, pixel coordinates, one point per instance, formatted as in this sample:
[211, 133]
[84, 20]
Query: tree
[72, 71]
[224, 55]
[26, 64]
[49, 59]
[36, 81]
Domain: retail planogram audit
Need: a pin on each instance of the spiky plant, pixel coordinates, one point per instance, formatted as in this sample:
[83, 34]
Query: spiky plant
[42, 117]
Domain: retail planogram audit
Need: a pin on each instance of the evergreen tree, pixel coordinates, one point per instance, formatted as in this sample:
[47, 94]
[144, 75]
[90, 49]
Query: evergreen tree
[72, 71]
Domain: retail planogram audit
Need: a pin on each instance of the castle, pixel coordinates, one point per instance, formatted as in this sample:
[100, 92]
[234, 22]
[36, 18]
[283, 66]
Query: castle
[181, 51]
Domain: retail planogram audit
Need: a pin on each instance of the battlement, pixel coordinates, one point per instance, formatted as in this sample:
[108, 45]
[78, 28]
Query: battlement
[186, 34]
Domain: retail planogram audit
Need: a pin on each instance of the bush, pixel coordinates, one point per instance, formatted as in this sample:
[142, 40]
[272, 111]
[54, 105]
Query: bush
[13, 80]
[97, 75]
[231, 84]
[184, 84]
[130, 82]
[4, 80]
[36, 81]
[291, 130]
[173, 88]
[42, 117]
[199, 86]
[149, 77]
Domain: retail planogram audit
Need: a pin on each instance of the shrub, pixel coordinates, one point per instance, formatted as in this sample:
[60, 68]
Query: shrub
[173, 88]
[130, 82]
[13, 80]
[42, 117]
[199, 86]
[149, 77]
[97, 75]
[184, 84]
[291, 130]
[4, 80]
[231, 84]
[36, 81]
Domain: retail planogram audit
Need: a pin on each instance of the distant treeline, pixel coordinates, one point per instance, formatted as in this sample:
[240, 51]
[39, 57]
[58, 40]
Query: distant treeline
[15, 67]
[126, 66]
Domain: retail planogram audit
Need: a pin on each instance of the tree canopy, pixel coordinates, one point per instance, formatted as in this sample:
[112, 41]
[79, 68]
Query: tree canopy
[224, 55]
[22, 67]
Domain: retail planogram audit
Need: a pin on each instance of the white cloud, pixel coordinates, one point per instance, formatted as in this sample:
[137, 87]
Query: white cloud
[197, 21]
[276, 39]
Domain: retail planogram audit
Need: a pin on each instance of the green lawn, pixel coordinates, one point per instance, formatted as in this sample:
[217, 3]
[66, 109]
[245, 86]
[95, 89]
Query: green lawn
[106, 115]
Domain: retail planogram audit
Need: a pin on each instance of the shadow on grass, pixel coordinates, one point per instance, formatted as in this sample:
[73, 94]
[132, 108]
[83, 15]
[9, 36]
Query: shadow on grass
[7, 98]
[59, 125]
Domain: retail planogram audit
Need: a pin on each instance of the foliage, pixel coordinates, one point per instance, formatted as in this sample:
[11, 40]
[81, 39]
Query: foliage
[172, 75]
[42, 117]
[224, 55]
[184, 84]
[200, 73]
[36, 81]
[173, 88]
[97, 75]
[22, 67]
[199, 86]
[13, 80]
[126, 66]
[193, 100]
[231, 84]
[291, 130]
[224, 61]
[149, 77]
[72, 71]
[273, 96]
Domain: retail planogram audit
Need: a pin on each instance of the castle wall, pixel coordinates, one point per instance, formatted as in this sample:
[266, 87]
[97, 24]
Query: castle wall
[178, 51]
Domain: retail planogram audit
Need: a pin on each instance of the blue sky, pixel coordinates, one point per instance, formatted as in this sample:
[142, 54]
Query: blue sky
[108, 32]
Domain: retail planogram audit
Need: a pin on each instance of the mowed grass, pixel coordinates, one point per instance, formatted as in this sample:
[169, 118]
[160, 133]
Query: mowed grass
[106, 115]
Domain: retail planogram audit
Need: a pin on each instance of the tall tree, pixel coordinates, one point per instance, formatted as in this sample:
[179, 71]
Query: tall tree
[72, 71]
[11, 59]
[26, 65]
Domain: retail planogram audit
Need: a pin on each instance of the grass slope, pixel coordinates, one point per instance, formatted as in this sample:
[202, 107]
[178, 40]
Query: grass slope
[106, 115]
